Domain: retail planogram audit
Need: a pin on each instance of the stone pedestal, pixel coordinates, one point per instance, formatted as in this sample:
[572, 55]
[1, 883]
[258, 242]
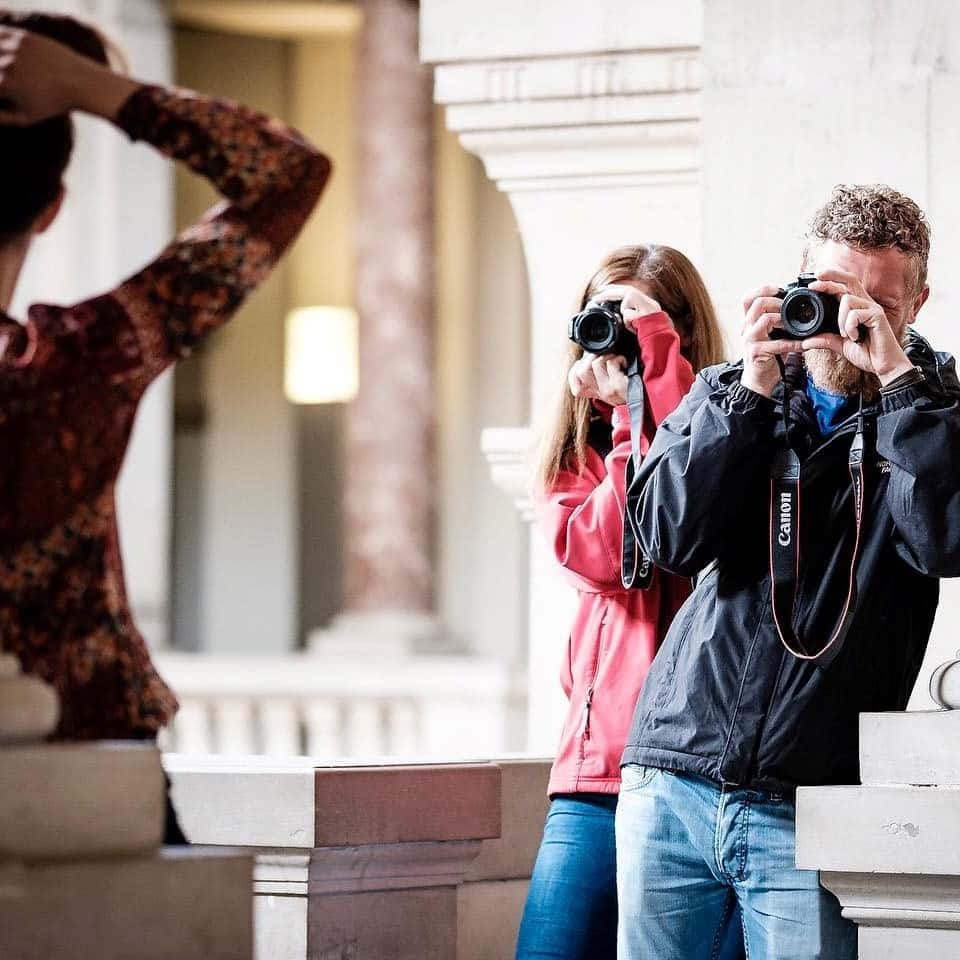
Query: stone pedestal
[82, 873]
[590, 123]
[890, 848]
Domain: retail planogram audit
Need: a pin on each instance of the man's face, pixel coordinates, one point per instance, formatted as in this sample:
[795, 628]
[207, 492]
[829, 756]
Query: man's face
[888, 277]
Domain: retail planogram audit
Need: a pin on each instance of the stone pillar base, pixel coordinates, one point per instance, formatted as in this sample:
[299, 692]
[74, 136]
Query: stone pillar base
[888, 850]
[382, 635]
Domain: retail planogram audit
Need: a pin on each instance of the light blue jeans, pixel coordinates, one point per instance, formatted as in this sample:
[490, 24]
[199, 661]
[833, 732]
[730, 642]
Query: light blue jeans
[571, 909]
[689, 851]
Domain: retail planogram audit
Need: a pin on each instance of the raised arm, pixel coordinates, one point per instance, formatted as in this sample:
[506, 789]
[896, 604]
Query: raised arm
[269, 176]
[271, 179]
[583, 515]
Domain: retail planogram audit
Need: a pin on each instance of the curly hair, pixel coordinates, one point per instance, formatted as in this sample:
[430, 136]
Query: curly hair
[874, 217]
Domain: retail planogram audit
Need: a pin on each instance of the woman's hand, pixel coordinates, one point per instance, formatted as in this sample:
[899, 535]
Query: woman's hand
[599, 378]
[40, 78]
[634, 303]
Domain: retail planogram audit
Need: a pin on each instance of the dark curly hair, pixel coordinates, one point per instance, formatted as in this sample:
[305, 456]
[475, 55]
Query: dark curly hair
[33, 158]
[874, 217]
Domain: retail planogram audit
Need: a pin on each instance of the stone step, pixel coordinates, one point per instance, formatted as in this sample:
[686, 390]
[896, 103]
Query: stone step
[73, 800]
[191, 903]
[919, 748]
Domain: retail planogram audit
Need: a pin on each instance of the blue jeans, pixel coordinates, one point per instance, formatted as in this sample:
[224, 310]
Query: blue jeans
[689, 851]
[571, 909]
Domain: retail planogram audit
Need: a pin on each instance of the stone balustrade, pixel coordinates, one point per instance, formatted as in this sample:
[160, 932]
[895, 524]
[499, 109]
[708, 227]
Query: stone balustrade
[425, 861]
[337, 706]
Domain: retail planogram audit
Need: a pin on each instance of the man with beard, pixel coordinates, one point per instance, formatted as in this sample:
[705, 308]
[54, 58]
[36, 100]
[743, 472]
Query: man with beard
[814, 490]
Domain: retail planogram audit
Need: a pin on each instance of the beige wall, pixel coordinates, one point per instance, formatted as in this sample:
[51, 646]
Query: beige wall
[240, 526]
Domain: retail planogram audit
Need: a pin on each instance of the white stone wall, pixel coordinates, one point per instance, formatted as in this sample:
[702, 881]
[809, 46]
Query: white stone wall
[795, 104]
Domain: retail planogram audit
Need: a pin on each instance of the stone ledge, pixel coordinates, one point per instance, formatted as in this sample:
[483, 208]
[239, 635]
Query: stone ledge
[394, 804]
[550, 114]
[390, 866]
[561, 78]
[587, 150]
[245, 801]
[896, 900]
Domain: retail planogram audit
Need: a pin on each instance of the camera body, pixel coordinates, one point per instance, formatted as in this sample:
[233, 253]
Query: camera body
[599, 328]
[806, 313]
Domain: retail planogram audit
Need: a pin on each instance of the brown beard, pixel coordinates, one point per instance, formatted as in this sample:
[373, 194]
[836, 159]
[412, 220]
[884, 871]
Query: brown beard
[829, 371]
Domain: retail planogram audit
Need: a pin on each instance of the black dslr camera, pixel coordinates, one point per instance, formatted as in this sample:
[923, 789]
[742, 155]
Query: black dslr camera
[806, 313]
[599, 329]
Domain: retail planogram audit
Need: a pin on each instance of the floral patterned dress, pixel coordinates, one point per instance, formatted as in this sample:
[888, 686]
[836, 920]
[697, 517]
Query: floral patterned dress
[70, 382]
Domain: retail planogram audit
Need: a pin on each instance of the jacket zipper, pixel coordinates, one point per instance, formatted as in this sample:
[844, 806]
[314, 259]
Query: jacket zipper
[586, 713]
[588, 700]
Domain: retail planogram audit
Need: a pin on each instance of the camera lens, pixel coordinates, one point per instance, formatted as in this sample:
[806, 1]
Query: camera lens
[801, 314]
[595, 329]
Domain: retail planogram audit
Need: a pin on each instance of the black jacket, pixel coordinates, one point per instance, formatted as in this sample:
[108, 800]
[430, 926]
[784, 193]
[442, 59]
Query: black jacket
[723, 698]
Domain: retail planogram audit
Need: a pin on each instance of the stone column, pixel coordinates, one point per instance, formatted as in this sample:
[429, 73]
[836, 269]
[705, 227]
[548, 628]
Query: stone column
[590, 123]
[390, 448]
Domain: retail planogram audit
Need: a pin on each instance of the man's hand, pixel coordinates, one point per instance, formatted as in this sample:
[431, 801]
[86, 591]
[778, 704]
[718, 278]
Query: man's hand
[880, 352]
[761, 313]
[599, 378]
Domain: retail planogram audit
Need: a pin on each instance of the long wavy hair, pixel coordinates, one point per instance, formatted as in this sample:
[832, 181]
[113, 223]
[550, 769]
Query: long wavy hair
[678, 287]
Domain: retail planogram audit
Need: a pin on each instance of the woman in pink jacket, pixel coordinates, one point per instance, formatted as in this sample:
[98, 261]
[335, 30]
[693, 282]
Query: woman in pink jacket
[571, 909]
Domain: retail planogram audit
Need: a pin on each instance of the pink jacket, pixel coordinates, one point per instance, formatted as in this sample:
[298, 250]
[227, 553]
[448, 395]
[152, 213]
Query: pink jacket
[616, 632]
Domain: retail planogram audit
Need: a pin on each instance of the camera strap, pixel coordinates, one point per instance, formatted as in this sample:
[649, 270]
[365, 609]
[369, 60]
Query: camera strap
[785, 519]
[636, 568]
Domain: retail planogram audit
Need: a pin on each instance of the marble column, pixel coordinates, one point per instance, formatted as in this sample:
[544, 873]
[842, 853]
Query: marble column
[390, 475]
[587, 117]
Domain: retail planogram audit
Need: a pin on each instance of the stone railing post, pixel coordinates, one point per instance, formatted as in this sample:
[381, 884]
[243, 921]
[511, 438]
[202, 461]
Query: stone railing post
[889, 849]
[590, 124]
